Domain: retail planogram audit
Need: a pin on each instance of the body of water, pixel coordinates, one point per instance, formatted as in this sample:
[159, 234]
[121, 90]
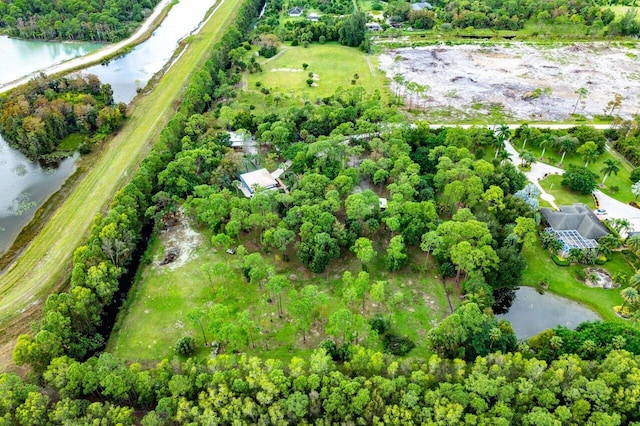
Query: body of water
[134, 70]
[24, 186]
[24, 57]
[532, 312]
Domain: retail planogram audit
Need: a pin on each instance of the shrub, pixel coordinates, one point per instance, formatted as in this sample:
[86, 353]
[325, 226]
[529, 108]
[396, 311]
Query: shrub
[560, 261]
[186, 345]
[379, 323]
[397, 345]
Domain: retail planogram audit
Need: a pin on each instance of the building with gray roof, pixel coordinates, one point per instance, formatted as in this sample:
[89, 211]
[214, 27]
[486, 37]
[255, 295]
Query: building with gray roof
[576, 226]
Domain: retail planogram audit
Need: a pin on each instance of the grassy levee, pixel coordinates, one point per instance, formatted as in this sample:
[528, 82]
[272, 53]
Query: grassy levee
[44, 266]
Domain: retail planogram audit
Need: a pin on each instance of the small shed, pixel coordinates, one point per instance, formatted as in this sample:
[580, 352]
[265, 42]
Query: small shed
[374, 26]
[313, 17]
[296, 11]
[237, 139]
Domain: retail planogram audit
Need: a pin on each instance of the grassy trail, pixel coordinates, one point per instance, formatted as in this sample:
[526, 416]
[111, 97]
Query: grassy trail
[45, 265]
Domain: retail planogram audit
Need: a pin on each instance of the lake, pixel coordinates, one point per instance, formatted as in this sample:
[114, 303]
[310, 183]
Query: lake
[24, 57]
[25, 185]
[532, 312]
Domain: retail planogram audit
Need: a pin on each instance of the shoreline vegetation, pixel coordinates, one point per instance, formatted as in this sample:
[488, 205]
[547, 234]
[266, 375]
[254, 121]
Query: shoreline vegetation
[43, 266]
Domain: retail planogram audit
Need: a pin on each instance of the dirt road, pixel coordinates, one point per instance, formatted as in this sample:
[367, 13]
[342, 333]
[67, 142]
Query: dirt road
[96, 56]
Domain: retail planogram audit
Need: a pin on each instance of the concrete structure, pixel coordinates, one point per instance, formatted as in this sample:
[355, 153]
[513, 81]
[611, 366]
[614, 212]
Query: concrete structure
[257, 179]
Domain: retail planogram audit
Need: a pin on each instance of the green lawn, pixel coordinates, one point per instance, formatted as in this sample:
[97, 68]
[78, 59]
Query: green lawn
[562, 281]
[564, 196]
[333, 66]
[621, 180]
[155, 315]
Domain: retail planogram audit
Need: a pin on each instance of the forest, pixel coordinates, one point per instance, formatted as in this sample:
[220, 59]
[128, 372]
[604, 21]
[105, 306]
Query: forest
[98, 21]
[455, 202]
[38, 117]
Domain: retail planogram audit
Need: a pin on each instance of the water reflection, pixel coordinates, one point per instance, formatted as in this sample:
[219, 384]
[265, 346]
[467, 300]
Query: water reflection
[532, 312]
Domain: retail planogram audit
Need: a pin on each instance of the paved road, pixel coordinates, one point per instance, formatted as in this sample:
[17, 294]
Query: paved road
[94, 57]
[538, 172]
[618, 210]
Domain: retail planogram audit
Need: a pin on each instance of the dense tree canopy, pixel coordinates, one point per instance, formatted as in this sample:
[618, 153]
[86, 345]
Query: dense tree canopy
[98, 20]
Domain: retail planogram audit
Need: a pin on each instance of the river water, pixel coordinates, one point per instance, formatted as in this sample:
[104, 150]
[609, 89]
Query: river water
[133, 71]
[25, 185]
[532, 312]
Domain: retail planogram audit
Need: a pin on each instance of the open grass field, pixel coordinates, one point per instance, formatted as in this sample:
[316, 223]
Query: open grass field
[562, 281]
[156, 314]
[44, 266]
[333, 66]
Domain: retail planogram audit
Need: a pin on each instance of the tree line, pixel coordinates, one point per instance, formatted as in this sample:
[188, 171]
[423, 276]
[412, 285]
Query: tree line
[369, 387]
[38, 116]
[71, 320]
[98, 21]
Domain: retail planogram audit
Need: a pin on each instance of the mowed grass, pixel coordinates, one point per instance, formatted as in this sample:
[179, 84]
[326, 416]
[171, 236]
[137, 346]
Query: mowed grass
[45, 265]
[562, 281]
[333, 66]
[563, 195]
[155, 317]
[620, 180]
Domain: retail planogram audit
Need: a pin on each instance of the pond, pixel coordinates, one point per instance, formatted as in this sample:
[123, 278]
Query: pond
[532, 312]
[24, 57]
[24, 186]
[130, 72]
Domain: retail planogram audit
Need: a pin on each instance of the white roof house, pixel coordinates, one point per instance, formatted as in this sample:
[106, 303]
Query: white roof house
[237, 139]
[374, 26]
[313, 17]
[257, 179]
[421, 6]
[296, 11]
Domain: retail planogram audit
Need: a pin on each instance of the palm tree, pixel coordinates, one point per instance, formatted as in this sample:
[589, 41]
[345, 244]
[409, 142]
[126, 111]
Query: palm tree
[524, 132]
[527, 158]
[610, 166]
[630, 296]
[503, 155]
[581, 92]
[545, 141]
[634, 242]
[565, 144]
[634, 281]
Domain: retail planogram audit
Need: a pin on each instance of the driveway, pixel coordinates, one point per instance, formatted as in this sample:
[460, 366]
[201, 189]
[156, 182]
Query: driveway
[538, 172]
[618, 210]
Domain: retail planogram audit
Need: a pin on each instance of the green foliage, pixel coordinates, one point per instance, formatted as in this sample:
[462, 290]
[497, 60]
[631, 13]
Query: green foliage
[579, 179]
[100, 21]
[397, 345]
[560, 262]
[185, 346]
[39, 117]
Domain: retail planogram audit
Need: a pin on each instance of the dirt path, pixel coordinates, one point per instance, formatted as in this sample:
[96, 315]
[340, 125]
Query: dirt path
[96, 56]
[45, 265]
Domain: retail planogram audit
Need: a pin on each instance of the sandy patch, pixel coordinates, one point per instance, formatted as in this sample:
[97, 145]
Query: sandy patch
[472, 78]
[182, 237]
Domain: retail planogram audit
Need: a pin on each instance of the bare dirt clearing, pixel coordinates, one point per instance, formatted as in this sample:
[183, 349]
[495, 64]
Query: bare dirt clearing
[471, 80]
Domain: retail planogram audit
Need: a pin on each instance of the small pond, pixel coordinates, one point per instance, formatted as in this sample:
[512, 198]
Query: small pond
[532, 312]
